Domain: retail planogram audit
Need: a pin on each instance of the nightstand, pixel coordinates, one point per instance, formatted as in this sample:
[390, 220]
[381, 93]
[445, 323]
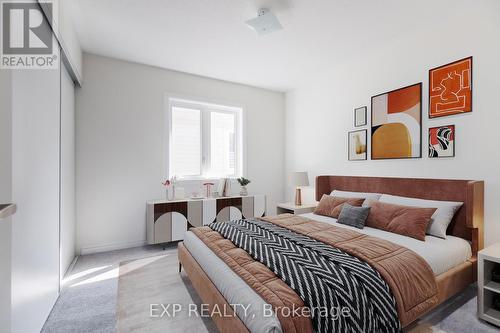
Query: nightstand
[487, 289]
[289, 207]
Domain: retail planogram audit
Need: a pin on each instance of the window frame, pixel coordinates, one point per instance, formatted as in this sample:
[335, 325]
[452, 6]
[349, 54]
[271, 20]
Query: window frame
[206, 108]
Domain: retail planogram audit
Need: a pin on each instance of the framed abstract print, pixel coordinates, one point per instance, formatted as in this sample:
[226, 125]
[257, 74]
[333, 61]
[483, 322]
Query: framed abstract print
[397, 124]
[442, 141]
[450, 89]
[357, 145]
[360, 116]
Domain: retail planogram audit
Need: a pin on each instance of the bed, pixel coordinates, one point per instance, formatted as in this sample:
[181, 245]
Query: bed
[452, 260]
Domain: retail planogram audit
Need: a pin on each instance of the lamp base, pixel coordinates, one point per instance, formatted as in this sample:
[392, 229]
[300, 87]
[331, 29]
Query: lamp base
[298, 197]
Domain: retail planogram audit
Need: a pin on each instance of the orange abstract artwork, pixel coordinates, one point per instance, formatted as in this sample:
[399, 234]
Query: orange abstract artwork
[450, 89]
[397, 123]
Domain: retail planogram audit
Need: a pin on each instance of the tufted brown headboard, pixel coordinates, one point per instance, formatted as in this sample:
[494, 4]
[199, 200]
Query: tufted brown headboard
[467, 223]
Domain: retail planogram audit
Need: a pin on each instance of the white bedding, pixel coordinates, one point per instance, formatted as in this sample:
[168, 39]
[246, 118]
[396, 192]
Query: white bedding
[233, 288]
[440, 254]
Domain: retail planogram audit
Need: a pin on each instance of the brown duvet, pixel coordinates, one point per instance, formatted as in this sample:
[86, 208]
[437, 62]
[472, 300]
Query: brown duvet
[408, 275]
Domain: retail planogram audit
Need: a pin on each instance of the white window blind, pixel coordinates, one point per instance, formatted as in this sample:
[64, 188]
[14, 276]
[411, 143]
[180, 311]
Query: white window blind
[205, 140]
[186, 141]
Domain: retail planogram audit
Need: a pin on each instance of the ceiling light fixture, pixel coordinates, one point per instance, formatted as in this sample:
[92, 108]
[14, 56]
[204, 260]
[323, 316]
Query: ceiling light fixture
[265, 23]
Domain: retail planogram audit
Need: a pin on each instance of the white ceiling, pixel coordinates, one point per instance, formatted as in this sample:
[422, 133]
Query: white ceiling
[209, 37]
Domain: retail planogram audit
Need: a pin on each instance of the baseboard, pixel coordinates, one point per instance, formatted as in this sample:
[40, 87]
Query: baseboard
[110, 247]
[70, 267]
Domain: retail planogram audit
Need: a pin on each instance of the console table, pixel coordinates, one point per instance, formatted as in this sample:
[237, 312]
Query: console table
[168, 221]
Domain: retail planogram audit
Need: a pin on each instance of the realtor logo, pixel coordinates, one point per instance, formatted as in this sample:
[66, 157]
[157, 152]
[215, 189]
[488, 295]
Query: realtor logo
[27, 38]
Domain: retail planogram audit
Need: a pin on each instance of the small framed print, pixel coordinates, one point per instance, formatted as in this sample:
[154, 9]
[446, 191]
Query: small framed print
[357, 145]
[442, 141]
[360, 117]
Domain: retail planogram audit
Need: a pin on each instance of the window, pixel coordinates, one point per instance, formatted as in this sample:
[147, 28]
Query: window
[205, 140]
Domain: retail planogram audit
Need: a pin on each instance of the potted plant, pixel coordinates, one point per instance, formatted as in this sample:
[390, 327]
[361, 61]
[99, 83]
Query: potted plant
[243, 183]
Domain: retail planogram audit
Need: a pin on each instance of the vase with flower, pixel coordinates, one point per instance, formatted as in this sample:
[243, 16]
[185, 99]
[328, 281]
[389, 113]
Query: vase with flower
[167, 186]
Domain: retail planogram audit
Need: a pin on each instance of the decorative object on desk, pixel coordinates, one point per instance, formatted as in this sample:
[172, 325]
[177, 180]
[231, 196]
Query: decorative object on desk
[221, 187]
[208, 189]
[450, 89]
[166, 183]
[442, 141]
[227, 188]
[360, 116]
[173, 181]
[396, 123]
[298, 179]
[357, 145]
[179, 193]
[243, 183]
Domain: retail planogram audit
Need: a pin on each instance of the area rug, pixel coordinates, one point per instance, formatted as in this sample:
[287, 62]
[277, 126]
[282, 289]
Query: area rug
[154, 297]
[148, 288]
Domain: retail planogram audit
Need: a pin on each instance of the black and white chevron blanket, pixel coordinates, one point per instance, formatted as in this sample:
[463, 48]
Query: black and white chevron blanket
[326, 278]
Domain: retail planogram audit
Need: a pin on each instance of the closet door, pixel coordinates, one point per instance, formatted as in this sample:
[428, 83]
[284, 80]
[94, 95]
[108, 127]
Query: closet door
[68, 223]
[5, 195]
[35, 174]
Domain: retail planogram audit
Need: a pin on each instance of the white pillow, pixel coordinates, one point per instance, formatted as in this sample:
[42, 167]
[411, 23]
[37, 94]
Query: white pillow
[364, 195]
[441, 218]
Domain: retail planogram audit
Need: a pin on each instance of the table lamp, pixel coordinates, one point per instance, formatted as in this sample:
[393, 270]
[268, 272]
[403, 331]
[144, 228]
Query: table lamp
[299, 179]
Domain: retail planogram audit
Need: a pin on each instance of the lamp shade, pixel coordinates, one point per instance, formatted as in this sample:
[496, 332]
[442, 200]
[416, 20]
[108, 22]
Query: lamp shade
[299, 179]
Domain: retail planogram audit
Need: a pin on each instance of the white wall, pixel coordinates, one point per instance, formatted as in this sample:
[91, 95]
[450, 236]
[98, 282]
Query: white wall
[5, 196]
[68, 189]
[68, 38]
[320, 113]
[119, 140]
[35, 189]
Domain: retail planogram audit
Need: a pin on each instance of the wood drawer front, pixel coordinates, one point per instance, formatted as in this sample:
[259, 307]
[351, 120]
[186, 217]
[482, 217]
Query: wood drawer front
[195, 213]
[168, 207]
[170, 227]
[259, 204]
[163, 229]
[209, 211]
[227, 202]
[247, 207]
[179, 226]
[229, 209]
[169, 221]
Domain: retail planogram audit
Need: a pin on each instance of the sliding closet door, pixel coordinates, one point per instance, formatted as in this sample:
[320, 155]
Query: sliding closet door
[68, 223]
[35, 173]
[5, 195]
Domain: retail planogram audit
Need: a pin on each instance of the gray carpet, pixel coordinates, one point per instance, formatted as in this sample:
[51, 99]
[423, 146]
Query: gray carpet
[459, 314]
[88, 301]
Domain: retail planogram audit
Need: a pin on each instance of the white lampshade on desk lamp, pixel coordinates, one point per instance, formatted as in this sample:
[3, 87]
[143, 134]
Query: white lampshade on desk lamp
[298, 179]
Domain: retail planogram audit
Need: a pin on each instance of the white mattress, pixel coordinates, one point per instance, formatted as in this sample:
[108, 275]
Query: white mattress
[440, 254]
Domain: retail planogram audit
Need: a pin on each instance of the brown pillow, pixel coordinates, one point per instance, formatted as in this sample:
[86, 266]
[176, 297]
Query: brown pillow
[403, 220]
[332, 206]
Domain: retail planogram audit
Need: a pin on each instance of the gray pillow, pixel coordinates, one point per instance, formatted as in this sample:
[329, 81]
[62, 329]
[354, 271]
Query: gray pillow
[353, 216]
